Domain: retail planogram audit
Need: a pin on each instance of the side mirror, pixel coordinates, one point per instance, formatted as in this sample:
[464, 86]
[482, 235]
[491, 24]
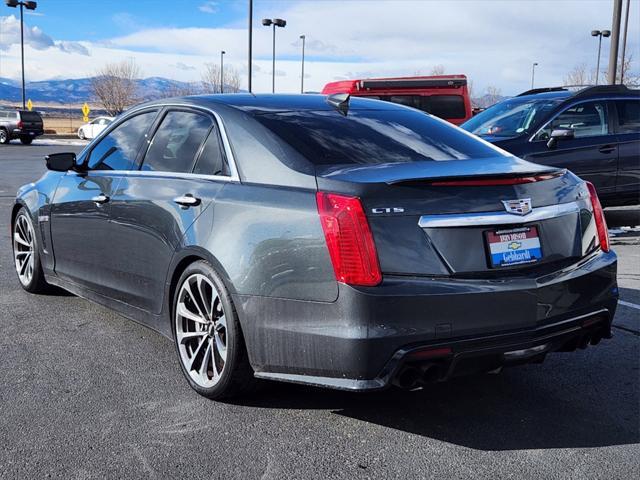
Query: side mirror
[61, 162]
[560, 134]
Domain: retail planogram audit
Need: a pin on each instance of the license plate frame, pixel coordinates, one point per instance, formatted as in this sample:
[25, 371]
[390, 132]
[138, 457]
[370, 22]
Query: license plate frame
[512, 247]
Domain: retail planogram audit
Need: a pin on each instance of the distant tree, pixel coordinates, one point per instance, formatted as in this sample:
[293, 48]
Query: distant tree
[211, 79]
[631, 76]
[580, 75]
[492, 95]
[114, 85]
[437, 70]
[471, 92]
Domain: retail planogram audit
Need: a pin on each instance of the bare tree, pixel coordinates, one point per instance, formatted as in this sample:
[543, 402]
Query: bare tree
[580, 75]
[437, 70]
[211, 79]
[631, 77]
[492, 95]
[114, 85]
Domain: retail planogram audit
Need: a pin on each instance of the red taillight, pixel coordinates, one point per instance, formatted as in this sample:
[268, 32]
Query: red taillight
[349, 240]
[483, 182]
[598, 215]
[20, 124]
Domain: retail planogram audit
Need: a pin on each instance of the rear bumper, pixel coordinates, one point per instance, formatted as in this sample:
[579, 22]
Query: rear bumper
[368, 336]
[26, 133]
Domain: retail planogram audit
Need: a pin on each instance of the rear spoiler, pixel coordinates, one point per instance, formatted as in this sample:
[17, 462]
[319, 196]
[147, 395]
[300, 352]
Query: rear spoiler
[413, 83]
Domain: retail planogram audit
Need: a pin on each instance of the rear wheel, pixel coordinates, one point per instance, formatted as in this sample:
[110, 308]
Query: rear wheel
[4, 137]
[207, 334]
[26, 254]
[26, 140]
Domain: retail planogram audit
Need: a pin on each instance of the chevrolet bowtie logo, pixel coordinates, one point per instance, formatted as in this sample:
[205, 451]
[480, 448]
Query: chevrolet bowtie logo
[514, 245]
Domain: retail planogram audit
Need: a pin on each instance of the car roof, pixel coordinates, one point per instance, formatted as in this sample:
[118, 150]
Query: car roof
[270, 103]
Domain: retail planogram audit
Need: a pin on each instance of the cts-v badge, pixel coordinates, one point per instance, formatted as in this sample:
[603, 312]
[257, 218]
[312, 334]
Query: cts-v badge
[521, 206]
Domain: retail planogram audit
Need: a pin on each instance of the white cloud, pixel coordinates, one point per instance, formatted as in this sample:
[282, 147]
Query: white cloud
[33, 36]
[209, 7]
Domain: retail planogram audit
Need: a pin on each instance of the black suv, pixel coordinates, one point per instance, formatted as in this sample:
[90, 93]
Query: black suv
[592, 131]
[21, 124]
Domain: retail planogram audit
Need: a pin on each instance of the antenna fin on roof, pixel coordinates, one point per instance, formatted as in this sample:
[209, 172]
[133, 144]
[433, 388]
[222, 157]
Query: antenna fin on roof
[339, 101]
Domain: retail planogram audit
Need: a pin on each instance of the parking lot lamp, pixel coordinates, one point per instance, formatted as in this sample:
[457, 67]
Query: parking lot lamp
[599, 34]
[222, 52]
[28, 6]
[276, 22]
[303, 38]
[533, 73]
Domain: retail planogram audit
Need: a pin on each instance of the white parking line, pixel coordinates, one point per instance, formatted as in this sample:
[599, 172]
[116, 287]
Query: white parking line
[629, 304]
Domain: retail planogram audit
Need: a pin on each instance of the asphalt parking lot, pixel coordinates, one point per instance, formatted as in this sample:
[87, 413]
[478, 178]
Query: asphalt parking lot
[85, 393]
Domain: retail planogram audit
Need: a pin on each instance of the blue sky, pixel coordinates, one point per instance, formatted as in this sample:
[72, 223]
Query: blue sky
[494, 42]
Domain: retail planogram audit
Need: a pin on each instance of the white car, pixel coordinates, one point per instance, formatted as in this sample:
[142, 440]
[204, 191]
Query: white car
[94, 127]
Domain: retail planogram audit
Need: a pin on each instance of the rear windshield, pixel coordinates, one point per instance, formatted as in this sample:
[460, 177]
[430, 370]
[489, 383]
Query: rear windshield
[30, 116]
[373, 137]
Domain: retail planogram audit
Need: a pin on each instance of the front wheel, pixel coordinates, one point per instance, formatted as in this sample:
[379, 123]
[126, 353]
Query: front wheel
[26, 255]
[208, 337]
[26, 140]
[81, 134]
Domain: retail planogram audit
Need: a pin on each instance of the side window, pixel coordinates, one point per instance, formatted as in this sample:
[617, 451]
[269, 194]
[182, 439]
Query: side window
[118, 150]
[628, 116]
[444, 106]
[588, 119]
[212, 160]
[176, 143]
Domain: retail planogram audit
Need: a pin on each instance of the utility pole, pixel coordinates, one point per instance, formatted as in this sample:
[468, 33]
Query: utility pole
[624, 42]
[303, 37]
[533, 73]
[615, 40]
[222, 52]
[250, 40]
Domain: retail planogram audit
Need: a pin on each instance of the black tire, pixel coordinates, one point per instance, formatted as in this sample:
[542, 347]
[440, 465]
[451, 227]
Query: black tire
[26, 140]
[236, 376]
[36, 282]
[81, 134]
[4, 137]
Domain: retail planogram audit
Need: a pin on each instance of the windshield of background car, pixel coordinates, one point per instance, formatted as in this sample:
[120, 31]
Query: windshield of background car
[373, 137]
[510, 117]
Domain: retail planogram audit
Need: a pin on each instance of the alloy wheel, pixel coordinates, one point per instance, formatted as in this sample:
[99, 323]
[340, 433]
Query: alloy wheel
[3, 136]
[201, 330]
[23, 249]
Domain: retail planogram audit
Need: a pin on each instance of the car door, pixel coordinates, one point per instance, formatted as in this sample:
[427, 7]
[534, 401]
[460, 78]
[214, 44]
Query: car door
[627, 124]
[154, 206]
[592, 154]
[80, 209]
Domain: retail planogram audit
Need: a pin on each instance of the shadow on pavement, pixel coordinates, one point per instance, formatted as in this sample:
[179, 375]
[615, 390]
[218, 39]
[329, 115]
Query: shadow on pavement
[522, 408]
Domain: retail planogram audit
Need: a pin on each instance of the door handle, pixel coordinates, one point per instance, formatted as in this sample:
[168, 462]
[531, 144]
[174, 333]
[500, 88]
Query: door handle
[187, 200]
[607, 149]
[100, 199]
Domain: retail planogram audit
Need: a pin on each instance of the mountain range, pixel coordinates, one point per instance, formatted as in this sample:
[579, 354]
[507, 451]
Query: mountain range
[78, 90]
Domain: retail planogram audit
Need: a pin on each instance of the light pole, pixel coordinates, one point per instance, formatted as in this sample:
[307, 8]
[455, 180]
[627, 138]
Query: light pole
[250, 40]
[276, 22]
[303, 38]
[599, 34]
[29, 6]
[222, 52]
[533, 73]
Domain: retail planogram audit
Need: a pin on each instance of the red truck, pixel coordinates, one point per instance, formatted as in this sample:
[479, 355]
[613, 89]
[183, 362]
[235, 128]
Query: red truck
[445, 96]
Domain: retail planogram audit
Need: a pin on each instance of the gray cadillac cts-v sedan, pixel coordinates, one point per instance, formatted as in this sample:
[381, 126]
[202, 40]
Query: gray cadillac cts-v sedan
[333, 241]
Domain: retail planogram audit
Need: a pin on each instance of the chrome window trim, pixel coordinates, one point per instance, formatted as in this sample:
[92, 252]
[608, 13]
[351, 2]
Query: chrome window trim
[483, 219]
[234, 174]
[149, 173]
[573, 104]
